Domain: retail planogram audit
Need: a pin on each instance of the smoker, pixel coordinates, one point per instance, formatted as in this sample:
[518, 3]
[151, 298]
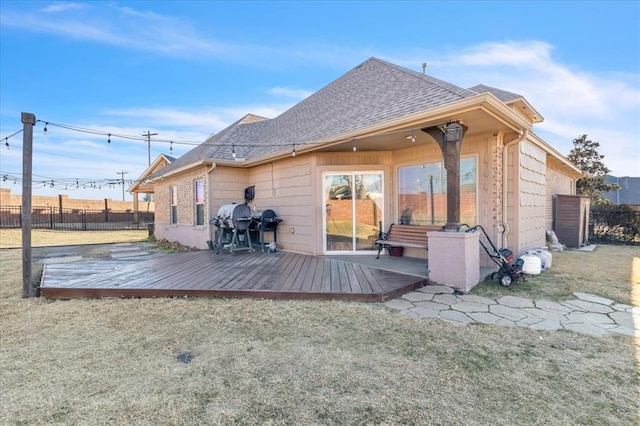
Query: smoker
[232, 228]
[262, 222]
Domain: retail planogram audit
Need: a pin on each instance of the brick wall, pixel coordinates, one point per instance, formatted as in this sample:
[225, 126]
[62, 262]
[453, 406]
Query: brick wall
[186, 196]
[9, 199]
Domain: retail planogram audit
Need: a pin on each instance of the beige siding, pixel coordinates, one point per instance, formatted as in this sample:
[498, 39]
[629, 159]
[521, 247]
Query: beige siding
[287, 187]
[227, 186]
[532, 197]
[557, 183]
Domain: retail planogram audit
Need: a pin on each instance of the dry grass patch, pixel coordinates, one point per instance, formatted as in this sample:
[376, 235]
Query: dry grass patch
[607, 272]
[47, 237]
[113, 361]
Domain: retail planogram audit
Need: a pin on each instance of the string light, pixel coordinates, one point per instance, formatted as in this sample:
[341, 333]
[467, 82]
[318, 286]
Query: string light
[109, 139]
[45, 128]
[6, 142]
[171, 147]
[293, 153]
[355, 148]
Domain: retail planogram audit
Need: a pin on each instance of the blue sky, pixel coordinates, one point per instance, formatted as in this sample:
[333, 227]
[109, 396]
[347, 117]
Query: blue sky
[187, 69]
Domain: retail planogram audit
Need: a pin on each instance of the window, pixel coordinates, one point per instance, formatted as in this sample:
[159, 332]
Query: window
[199, 202]
[422, 193]
[174, 204]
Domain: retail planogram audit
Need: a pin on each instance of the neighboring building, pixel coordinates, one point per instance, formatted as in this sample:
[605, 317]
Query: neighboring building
[353, 155]
[629, 192]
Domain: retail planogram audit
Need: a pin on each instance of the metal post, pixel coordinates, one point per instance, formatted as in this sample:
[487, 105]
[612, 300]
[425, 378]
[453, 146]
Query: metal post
[28, 121]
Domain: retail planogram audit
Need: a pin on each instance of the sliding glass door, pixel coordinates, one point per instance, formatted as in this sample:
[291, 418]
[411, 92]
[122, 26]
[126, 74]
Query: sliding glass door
[353, 211]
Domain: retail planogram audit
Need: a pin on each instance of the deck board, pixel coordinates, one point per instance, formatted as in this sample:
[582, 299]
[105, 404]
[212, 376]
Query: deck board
[280, 275]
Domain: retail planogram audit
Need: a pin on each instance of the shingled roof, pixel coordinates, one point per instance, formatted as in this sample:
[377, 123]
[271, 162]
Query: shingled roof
[503, 95]
[373, 92]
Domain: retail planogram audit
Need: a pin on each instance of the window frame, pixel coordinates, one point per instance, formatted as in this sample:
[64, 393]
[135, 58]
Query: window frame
[173, 205]
[198, 202]
[398, 205]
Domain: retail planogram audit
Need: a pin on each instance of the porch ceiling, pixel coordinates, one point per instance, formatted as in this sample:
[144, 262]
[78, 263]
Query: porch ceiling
[478, 120]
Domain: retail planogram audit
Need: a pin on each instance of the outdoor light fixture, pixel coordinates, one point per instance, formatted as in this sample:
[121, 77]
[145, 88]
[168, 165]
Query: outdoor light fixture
[411, 137]
[453, 132]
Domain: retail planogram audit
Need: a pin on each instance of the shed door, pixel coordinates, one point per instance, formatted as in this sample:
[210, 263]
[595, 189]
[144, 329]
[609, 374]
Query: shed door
[353, 211]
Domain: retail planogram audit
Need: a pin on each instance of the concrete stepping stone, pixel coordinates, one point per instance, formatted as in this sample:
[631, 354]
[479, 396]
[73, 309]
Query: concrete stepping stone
[507, 312]
[447, 299]
[544, 314]
[527, 321]
[470, 307]
[505, 322]
[485, 318]
[585, 306]
[424, 313]
[416, 296]
[546, 325]
[622, 307]
[436, 289]
[552, 306]
[433, 306]
[588, 317]
[398, 304]
[455, 317]
[588, 297]
[624, 319]
[409, 314]
[121, 245]
[624, 330]
[516, 302]
[477, 299]
[585, 328]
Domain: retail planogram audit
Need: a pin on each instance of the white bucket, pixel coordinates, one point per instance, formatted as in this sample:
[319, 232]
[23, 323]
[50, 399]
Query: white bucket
[532, 264]
[549, 256]
[543, 258]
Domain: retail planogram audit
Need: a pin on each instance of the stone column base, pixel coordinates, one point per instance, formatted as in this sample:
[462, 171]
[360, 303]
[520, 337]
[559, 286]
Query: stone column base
[454, 259]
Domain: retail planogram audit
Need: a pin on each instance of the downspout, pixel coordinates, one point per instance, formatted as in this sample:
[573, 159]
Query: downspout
[505, 226]
[213, 166]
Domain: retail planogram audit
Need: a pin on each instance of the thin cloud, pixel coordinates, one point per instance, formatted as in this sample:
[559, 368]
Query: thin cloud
[63, 7]
[289, 92]
[573, 101]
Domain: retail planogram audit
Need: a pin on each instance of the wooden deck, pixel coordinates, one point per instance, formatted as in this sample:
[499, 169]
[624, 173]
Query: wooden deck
[280, 275]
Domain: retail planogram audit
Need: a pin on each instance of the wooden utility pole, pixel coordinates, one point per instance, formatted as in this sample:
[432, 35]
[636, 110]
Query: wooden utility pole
[148, 135]
[28, 121]
[122, 181]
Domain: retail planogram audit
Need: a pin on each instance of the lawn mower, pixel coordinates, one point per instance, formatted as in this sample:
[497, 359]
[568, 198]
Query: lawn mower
[509, 271]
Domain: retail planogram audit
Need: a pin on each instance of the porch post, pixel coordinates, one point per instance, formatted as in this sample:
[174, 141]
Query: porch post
[449, 139]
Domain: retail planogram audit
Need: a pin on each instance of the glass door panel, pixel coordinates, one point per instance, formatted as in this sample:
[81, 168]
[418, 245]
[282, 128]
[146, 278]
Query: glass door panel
[353, 203]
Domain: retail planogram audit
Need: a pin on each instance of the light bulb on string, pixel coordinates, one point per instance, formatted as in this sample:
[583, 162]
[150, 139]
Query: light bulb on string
[45, 128]
[6, 142]
[171, 147]
[293, 153]
[109, 139]
[355, 148]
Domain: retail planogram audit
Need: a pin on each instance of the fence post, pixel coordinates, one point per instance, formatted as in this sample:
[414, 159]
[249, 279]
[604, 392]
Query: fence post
[20, 217]
[50, 217]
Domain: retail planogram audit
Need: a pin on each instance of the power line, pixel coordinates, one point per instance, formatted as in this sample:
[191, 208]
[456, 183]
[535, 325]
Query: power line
[122, 173]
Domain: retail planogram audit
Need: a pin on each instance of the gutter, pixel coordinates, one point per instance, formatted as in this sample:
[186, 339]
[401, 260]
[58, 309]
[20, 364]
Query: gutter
[505, 163]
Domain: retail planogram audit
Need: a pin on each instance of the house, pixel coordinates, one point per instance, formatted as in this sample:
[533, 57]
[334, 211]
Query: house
[353, 156]
[628, 193]
[141, 185]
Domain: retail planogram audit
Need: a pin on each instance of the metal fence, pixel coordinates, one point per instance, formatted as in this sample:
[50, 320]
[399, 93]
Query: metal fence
[75, 219]
[615, 226]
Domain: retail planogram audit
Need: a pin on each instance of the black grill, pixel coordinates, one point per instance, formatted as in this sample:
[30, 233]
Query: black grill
[262, 222]
[232, 228]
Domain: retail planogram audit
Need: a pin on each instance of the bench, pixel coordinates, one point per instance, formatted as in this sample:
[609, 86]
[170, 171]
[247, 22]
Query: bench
[404, 236]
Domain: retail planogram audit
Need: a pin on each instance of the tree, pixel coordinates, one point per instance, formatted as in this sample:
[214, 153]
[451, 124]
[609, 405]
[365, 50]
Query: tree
[147, 198]
[586, 157]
